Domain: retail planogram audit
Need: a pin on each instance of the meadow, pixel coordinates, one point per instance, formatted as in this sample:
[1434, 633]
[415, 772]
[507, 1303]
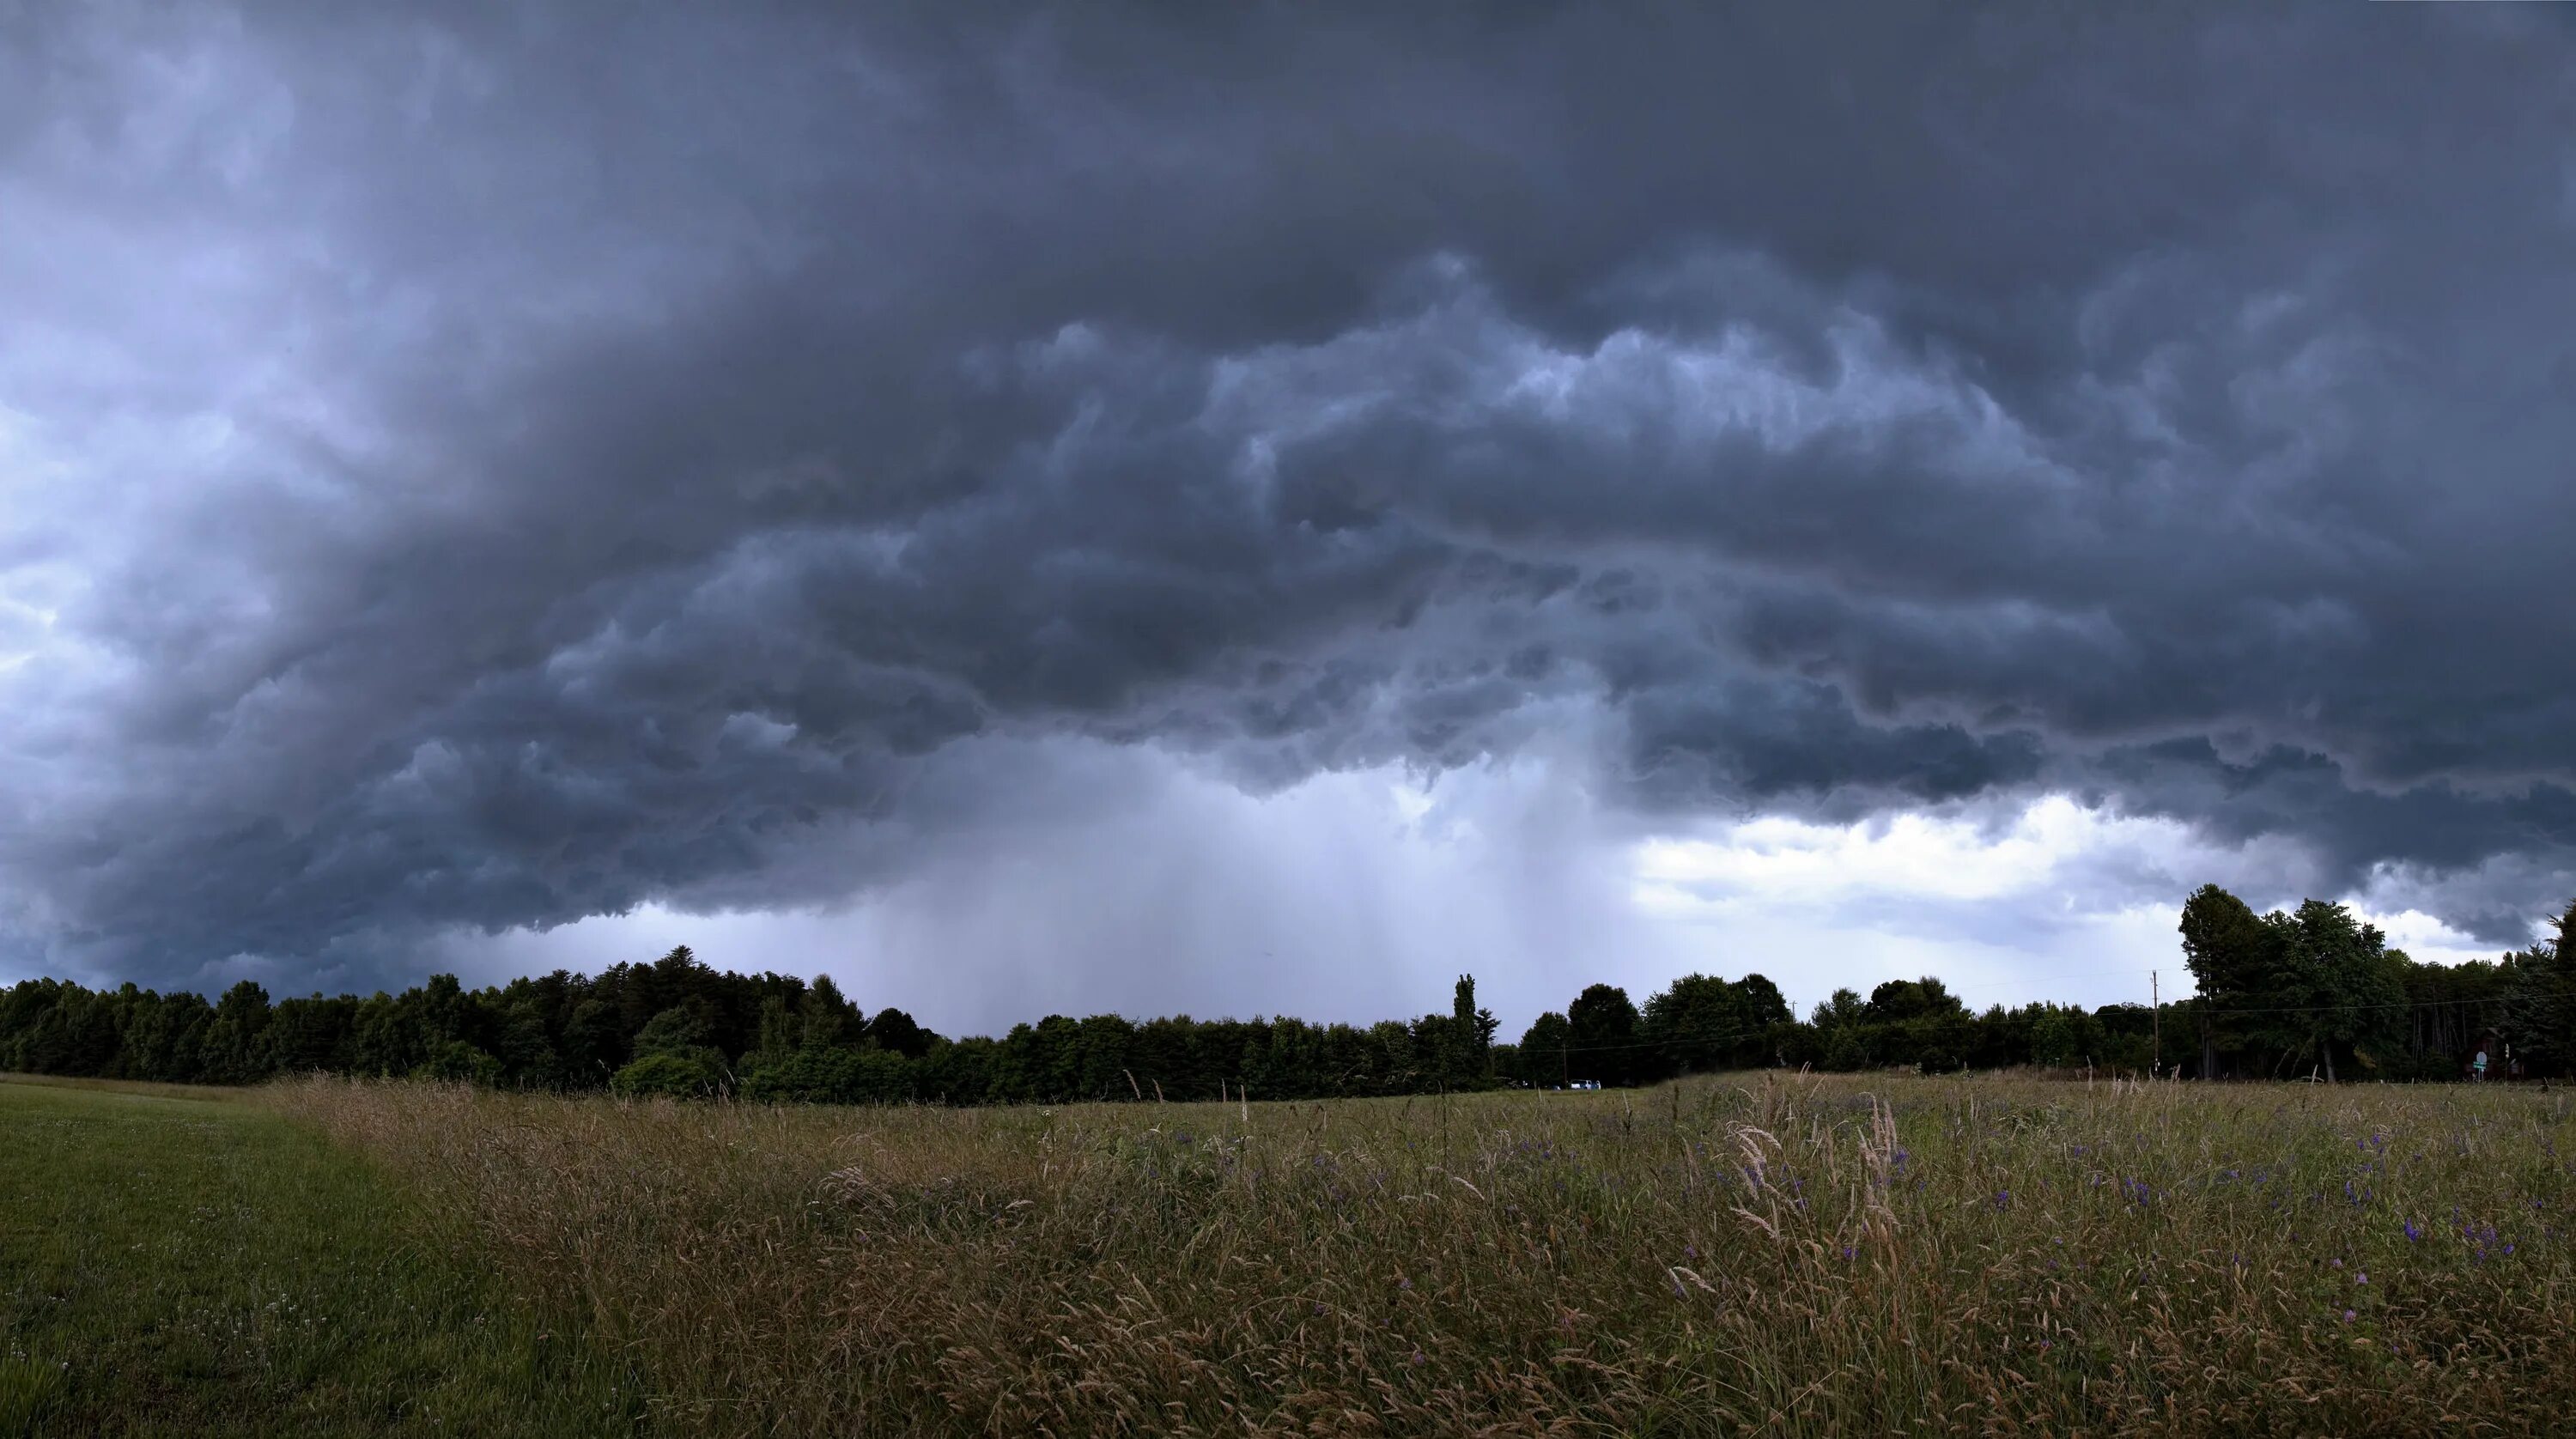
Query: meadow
[186, 1262]
[1784, 1254]
[1767, 1253]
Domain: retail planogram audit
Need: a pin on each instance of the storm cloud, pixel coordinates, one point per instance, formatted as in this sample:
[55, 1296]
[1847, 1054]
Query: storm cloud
[488, 469]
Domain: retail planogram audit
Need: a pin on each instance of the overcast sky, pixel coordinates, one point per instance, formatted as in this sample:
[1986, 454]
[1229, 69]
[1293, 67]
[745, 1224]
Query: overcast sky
[1260, 509]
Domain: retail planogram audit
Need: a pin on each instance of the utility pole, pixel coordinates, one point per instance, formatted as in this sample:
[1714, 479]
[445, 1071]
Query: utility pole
[2156, 1022]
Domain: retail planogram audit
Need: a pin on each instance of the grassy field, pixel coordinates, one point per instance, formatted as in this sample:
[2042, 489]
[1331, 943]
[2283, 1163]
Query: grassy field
[1801, 1256]
[1744, 1254]
[191, 1262]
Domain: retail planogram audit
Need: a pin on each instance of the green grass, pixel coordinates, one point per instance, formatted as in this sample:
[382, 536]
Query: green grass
[173, 1262]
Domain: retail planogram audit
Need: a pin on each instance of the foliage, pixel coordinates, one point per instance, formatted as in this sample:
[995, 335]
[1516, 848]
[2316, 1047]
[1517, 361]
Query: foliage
[686, 1074]
[2281, 994]
[1601, 1024]
[457, 1060]
[1700, 1023]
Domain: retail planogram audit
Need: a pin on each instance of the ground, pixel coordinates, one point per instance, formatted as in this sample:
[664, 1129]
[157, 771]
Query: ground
[1732, 1254]
[186, 1262]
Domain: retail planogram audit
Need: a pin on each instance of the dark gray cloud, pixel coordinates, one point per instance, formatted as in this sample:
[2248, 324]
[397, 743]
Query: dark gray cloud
[498, 469]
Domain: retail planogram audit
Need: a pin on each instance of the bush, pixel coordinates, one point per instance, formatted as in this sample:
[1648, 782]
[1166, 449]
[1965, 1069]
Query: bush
[829, 1076]
[685, 1075]
[1843, 1052]
[457, 1059]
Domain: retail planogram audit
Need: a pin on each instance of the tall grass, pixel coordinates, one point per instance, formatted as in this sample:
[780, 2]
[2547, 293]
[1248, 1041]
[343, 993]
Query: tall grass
[1808, 1255]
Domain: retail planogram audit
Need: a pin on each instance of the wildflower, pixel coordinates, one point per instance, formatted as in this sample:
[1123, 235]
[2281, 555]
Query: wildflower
[1404, 1284]
[1690, 1251]
[2003, 1199]
[2337, 1263]
[2347, 1316]
[2414, 1235]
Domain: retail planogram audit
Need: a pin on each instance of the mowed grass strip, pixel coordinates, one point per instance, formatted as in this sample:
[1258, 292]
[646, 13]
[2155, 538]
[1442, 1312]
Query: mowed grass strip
[177, 1263]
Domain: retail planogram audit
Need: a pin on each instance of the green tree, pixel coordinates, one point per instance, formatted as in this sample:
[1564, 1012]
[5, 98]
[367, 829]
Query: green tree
[683, 1075]
[2334, 987]
[1602, 1028]
[459, 1060]
[2540, 1011]
[1471, 1035]
[675, 1030]
[1845, 1049]
[2232, 955]
[1697, 1024]
[1545, 1051]
[527, 1057]
[236, 1050]
[894, 1030]
[1842, 1009]
[778, 1032]
[674, 1055]
[825, 1017]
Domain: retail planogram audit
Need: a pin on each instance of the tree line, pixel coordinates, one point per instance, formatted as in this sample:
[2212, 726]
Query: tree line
[2314, 991]
[2310, 991]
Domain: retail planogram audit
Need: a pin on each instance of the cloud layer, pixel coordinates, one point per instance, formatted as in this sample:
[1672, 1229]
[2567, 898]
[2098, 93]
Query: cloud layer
[499, 471]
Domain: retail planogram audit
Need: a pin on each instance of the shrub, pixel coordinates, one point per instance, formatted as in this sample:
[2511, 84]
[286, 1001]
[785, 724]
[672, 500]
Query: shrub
[457, 1059]
[837, 1075]
[694, 1074]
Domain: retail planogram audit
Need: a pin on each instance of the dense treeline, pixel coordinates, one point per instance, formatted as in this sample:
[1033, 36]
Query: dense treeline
[2313, 991]
[2317, 991]
[677, 1026]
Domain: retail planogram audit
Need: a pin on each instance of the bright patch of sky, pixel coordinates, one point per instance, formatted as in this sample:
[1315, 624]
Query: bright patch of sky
[1325, 899]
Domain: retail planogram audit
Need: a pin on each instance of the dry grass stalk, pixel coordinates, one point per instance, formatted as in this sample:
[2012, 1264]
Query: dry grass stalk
[1807, 1255]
